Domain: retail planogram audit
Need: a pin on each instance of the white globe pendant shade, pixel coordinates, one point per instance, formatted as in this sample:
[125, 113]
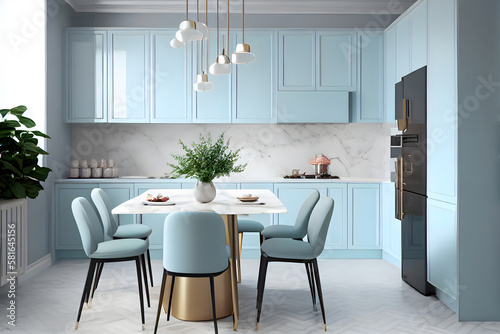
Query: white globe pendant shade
[175, 43]
[202, 84]
[187, 32]
[222, 65]
[242, 55]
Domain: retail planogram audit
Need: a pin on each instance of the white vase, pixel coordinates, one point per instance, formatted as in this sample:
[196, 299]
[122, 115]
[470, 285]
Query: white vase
[204, 192]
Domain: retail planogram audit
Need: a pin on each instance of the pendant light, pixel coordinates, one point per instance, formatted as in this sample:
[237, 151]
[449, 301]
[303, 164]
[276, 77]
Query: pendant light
[187, 31]
[242, 54]
[222, 63]
[202, 83]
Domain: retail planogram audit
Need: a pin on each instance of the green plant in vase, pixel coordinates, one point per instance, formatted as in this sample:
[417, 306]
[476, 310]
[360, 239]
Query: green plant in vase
[206, 161]
[20, 173]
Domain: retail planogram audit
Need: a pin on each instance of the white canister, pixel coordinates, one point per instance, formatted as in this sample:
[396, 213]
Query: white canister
[84, 164]
[85, 172]
[74, 163]
[74, 172]
[111, 163]
[97, 172]
[108, 172]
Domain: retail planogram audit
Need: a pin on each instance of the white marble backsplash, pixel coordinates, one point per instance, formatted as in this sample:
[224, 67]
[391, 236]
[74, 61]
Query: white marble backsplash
[271, 150]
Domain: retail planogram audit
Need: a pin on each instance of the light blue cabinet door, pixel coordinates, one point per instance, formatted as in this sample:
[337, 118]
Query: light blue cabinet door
[390, 74]
[251, 241]
[391, 227]
[370, 94]
[337, 233]
[171, 80]
[293, 196]
[403, 47]
[67, 234]
[442, 102]
[256, 81]
[313, 107]
[155, 221]
[129, 72]
[86, 76]
[119, 193]
[442, 246]
[418, 36]
[297, 60]
[335, 60]
[214, 106]
[364, 216]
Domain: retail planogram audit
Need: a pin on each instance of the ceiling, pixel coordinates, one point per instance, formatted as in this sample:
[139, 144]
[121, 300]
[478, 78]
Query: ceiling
[251, 6]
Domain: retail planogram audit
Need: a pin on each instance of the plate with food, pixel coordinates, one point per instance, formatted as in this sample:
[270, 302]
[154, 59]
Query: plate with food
[159, 199]
[248, 198]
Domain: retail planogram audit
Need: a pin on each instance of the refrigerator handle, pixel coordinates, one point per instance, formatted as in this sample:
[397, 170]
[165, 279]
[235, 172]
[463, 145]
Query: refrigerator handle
[403, 122]
[399, 189]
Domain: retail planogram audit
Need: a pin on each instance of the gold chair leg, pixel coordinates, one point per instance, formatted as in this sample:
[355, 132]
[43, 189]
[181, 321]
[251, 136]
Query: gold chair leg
[239, 256]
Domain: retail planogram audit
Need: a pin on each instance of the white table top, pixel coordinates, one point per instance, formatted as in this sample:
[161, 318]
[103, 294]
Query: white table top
[225, 203]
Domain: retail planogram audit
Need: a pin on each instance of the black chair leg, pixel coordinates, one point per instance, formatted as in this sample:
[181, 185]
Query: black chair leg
[98, 273]
[310, 278]
[86, 289]
[162, 293]
[320, 293]
[212, 291]
[150, 268]
[261, 264]
[170, 298]
[260, 286]
[144, 274]
[139, 283]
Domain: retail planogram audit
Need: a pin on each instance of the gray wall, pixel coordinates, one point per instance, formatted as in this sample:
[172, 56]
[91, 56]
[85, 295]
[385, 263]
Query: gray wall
[59, 17]
[479, 160]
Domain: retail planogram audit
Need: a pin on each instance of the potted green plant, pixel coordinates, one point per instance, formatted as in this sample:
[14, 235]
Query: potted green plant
[20, 173]
[206, 161]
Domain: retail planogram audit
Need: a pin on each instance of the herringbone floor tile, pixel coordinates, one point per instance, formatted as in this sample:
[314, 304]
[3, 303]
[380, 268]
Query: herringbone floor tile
[361, 297]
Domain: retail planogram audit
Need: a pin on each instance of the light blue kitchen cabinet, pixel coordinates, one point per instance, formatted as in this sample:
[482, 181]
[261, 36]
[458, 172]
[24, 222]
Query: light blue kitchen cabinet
[171, 79]
[155, 221]
[391, 227]
[336, 55]
[251, 241]
[86, 66]
[390, 73]
[67, 237]
[297, 59]
[368, 99]
[255, 91]
[442, 117]
[442, 246]
[129, 76]
[418, 36]
[363, 216]
[313, 107]
[214, 105]
[337, 232]
[403, 47]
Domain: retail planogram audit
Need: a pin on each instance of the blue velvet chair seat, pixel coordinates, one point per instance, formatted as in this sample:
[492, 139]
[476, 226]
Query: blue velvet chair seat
[245, 225]
[288, 249]
[120, 248]
[132, 231]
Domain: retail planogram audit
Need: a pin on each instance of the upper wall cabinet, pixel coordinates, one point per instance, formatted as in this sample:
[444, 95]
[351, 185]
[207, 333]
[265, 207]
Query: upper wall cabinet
[317, 60]
[255, 91]
[171, 83]
[368, 99]
[214, 105]
[129, 75]
[86, 65]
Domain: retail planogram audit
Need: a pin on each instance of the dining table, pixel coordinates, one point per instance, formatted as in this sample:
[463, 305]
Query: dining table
[187, 293]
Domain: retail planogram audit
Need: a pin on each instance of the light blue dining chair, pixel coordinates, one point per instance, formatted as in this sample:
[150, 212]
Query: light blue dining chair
[100, 251]
[299, 230]
[299, 251]
[113, 230]
[194, 245]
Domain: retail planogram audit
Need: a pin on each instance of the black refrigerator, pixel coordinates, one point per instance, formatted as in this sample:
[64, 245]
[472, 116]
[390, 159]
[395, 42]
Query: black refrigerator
[411, 178]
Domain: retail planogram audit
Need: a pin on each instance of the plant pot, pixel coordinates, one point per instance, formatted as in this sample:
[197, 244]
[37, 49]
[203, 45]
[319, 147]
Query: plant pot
[204, 192]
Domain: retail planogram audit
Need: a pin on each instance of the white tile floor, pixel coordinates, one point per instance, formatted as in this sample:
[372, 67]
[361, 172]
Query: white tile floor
[361, 296]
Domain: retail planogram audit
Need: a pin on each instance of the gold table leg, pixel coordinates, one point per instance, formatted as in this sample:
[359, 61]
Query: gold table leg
[232, 238]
